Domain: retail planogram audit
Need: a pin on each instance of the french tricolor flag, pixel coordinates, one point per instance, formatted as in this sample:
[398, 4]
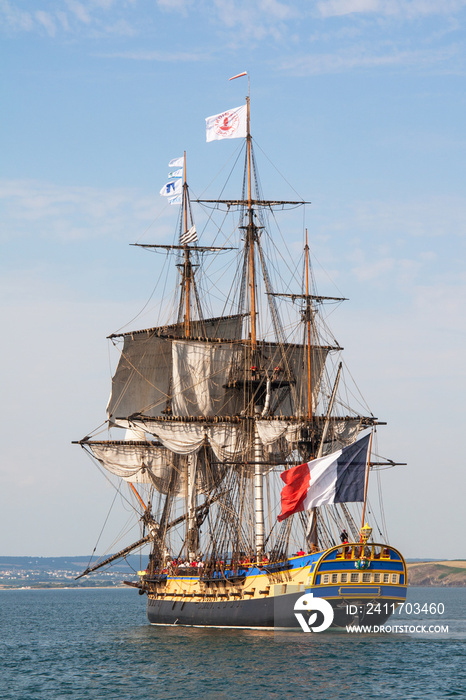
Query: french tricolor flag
[336, 478]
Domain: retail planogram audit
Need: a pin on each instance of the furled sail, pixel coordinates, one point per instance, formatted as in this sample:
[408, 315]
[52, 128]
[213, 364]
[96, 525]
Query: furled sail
[147, 463]
[159, 375]
[142, 381]
[227, 441]
[343, 432]
[280, 438]
[138, 463]
[287, 363]
[231, 441]
[200, 375]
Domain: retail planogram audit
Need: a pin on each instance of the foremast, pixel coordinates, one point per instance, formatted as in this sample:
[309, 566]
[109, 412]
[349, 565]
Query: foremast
[187, 272]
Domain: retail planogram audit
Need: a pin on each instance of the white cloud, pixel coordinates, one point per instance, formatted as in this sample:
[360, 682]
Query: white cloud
[14, 18]
[46, 20]
[79, 11]
[400, 8]
[218, 26]
[391, 247]
[103, 4]
[160, 56]
[120, 28]
[253, 20]
[63, 19]
[442, 216]
[175, 5]
[94, 18]
[72, 212]
[277, 9]
[344, 60]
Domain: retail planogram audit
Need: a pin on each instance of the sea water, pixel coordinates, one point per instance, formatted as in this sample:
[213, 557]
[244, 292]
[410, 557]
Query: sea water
[91, 644]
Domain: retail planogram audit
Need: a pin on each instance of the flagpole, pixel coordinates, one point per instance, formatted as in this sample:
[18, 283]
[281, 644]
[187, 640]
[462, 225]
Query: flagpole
[367, 479]
[250, 228]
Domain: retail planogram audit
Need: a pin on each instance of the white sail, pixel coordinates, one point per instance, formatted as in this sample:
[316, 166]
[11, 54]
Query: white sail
[138, 464]
[162, 468]
[200, 374]
[142, 381]
[226, 440]
[343, 432]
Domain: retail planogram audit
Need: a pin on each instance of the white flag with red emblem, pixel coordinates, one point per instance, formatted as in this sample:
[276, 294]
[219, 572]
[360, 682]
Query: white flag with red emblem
[227, 125]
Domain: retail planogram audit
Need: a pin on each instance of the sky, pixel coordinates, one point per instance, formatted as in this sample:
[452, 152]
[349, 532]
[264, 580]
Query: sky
[360, 104]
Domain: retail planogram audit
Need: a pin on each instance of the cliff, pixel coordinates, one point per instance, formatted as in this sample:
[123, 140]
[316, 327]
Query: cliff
[437, 573]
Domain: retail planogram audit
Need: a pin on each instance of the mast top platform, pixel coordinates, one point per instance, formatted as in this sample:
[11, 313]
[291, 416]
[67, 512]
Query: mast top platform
[198, 248]
[252, 202]
[315, 297]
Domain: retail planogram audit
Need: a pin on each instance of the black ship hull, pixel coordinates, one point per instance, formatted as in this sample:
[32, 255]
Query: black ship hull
[265, 613]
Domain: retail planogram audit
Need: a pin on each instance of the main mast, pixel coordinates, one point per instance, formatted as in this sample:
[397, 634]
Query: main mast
[256, 448]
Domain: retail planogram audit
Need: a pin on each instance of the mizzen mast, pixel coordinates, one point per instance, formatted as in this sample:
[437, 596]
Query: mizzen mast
[308, 328]
[308, 319]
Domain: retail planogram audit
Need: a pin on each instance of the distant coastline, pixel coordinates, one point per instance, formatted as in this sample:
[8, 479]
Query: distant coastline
[60, 572]
[77, 587]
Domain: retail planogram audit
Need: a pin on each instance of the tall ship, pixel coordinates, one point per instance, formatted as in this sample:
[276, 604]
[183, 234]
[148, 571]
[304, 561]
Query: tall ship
[231, 423]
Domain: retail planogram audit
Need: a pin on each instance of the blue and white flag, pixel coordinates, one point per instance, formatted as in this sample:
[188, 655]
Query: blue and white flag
[336, 478]
[175, 200]
[176, 163]
[176, 173]
[170, 189]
